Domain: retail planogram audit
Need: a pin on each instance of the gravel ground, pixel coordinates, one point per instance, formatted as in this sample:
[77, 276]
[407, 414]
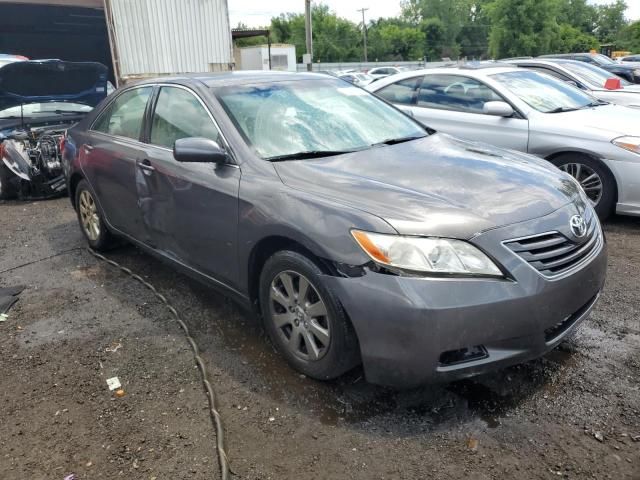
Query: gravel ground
[573, 414]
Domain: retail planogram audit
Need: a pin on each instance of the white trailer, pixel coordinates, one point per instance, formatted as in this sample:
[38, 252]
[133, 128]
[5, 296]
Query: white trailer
[134, 38]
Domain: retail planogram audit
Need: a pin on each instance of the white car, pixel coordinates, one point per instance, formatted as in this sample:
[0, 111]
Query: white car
[597, 143]
[630, 60]
[586, 77]
[381, 72]
[357, 78]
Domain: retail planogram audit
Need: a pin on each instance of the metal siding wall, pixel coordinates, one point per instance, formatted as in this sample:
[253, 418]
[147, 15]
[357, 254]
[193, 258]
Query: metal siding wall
[157, 37]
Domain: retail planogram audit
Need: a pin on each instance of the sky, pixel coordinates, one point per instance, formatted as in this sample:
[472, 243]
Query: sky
[258, 14]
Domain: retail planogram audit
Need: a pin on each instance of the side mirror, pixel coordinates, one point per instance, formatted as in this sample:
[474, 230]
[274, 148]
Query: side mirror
[198, 150]
[497, 109]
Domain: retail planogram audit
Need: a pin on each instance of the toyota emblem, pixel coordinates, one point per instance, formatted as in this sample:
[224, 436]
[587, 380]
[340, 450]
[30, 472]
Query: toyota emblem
[578, 226]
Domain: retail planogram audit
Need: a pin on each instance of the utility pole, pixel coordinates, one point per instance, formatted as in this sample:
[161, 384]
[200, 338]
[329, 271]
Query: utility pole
[364, 32]
[307, 28]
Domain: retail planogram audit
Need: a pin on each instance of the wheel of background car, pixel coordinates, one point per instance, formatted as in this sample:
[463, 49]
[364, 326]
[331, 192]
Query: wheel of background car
[304, 318]
[595, 178]
[91, 219]
[7, 189]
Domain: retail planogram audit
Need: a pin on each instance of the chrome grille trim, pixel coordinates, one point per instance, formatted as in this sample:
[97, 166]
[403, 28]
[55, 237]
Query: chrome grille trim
[553, 254]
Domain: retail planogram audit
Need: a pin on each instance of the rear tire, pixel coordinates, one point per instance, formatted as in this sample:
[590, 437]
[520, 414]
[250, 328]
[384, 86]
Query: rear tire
[7, 188]
[583, 168]
[91, 218]
[305, 319]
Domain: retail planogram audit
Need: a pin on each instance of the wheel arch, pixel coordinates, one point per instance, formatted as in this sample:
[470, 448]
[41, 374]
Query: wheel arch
[271, 244]
[73, 184]
[591, 155]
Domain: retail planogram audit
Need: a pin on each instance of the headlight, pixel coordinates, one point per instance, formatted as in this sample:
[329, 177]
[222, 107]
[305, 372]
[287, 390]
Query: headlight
[636, 72]
[426, 254]
[628, 143]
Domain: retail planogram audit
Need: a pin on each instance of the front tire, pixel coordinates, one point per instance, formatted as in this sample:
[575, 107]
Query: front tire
[595, 178]
[91, 218]
[305, 319]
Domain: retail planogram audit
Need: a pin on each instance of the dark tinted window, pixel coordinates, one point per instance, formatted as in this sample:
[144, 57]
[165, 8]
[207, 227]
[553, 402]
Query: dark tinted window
[452, 92]
[179, 114]
[125, 115]
[402, 92]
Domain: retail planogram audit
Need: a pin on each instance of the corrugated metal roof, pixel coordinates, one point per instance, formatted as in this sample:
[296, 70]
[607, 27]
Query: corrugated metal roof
[158, 37]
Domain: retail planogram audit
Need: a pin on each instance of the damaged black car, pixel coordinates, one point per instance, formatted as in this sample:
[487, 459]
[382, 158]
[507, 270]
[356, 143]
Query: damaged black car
[39, 100]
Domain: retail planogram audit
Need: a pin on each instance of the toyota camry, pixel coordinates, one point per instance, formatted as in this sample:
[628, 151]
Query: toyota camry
[356, 233]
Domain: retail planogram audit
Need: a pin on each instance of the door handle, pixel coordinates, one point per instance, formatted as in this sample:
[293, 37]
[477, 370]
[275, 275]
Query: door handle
[146, 166]
[87, 148]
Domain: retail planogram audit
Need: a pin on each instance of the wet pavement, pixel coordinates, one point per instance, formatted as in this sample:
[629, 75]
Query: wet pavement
[542, 419]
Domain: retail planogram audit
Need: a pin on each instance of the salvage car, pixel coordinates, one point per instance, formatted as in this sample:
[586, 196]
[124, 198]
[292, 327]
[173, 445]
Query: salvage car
[39, 100]
[629, 72]
[588, 78]
[510, 107]
[359, 235]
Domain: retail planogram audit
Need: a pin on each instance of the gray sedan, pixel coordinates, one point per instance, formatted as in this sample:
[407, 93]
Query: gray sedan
[510, 107]
[358, 235]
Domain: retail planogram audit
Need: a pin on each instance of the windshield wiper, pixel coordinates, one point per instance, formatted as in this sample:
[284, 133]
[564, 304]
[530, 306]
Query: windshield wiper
[60, 112]
[563, 109]
[308, 154]
[395, 141]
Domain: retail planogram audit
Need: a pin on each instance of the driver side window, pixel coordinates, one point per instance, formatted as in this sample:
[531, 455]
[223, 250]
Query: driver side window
[457, 93]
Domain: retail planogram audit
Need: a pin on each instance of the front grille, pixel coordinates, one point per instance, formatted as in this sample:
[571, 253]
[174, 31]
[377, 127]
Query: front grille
[553, 254]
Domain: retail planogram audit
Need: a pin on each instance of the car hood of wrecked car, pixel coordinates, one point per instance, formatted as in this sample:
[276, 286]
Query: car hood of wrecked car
[39, 81]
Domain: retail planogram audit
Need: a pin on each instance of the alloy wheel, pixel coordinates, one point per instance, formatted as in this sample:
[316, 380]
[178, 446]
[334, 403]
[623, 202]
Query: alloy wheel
[300, 315]
[588, 178]
[89, 216]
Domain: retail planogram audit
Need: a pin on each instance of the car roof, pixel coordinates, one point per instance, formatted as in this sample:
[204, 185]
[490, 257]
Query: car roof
[223, 79]
[481, 70]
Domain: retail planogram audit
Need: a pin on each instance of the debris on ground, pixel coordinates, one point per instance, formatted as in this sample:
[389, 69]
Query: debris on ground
[113, 348]
[472, 444]
[120, 393]
[113, 383]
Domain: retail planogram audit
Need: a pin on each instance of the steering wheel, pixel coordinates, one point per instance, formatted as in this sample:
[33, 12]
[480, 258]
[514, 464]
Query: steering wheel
[457, 87]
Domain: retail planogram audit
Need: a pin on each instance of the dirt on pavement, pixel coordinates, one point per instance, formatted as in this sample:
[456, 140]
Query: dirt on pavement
[572, 414]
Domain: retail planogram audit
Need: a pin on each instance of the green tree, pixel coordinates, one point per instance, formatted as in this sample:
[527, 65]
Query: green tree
[434, 35]
[571, 39]
[578, 14]
[394, 39]
[335, 39]
[610, 20]
[522, 27]
[629, 37]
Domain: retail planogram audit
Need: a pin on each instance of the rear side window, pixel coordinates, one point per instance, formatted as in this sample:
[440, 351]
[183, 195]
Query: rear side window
[452, 92]
[179, 114]
[125, 115]
[402, 92]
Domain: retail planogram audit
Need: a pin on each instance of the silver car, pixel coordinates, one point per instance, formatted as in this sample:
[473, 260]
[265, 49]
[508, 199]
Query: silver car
[588, 78]
[597, 143]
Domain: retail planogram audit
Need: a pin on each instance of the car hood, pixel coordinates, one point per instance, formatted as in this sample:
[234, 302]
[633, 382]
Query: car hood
[439, 185]
[39, 81]
[604, 121]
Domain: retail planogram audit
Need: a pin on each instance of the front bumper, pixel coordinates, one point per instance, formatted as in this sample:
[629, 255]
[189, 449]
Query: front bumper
[412, 330]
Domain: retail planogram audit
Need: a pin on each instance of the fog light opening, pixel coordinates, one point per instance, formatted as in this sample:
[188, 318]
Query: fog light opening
[463, 355]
